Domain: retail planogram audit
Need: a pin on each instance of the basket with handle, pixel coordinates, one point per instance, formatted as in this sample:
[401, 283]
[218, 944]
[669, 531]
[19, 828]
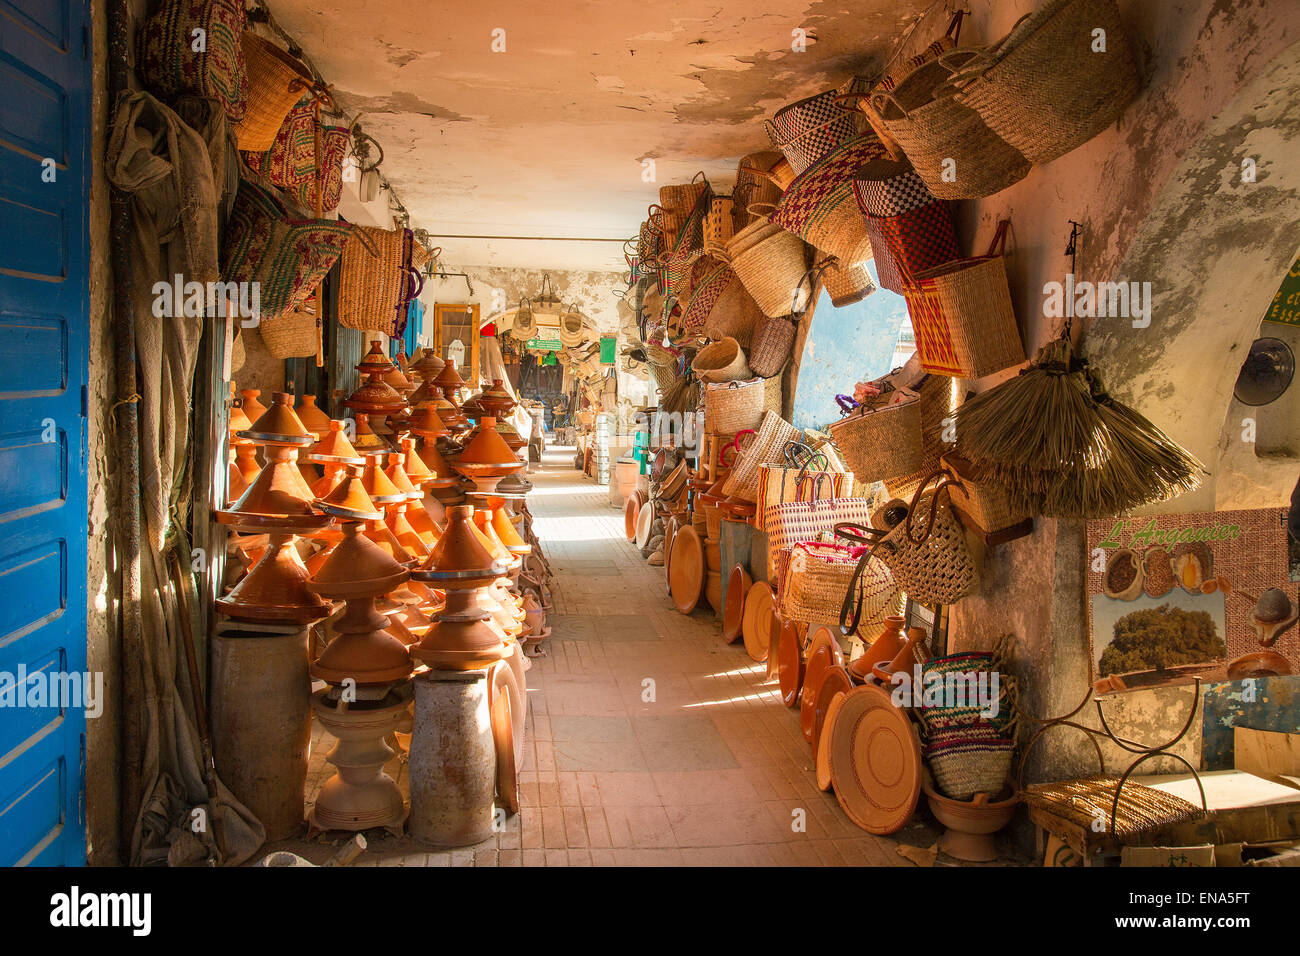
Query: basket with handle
[295, 333]
[770, 262]
[950, 146]
[719, 226]
[962, 315]
[810, 128]
[276, 81]
[880, 438]
[821, 206]
[732, 407]
[812, 578]
[765, 448]
[377, 281]
[1045, 88]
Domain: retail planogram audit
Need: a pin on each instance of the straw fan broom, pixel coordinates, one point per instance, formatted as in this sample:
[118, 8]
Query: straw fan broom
[1064, 447]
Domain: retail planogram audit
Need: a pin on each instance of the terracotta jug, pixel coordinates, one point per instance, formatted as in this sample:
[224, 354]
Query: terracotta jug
[885, 648]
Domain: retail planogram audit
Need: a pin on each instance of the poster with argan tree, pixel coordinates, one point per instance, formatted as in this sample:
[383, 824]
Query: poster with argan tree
[1174, 597]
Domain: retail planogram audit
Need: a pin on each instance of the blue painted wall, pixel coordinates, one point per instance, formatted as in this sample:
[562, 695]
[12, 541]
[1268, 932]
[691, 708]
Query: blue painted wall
[846, 345]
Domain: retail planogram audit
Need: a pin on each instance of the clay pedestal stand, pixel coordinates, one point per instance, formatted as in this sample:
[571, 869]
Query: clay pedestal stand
[369, 696]
[261, 714]
[453, 757]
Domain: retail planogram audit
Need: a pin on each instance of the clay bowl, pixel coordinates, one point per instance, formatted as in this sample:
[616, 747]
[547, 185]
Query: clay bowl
[733, 611]
[970, 823]
[1259, 664]
[790, 668]
[631, 510]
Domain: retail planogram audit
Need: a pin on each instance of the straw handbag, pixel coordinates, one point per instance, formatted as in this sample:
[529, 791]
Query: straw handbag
[812, 579]
[846, 284]
[766, 448]
[286, 257]
[821, 207]
[880, 438]
[792, 522]
[734, 313]
[378, 282]
[294, 334]
[982, 500]
[754, 183]
[1044, 88]
[938, 402]
[809, 129]
[962, 316]
[917, 229]
[306, 159]
[732, 407]
[276, 81]
[927, 552]
[678, 201]
[887, 272]
[969, 759]
[794, 480]
[772, 344]
[170, 67]
[949, 145]
[722, 361]
[769, 261]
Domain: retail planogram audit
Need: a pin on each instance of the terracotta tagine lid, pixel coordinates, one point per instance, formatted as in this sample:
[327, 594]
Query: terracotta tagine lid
[460, 559]
[405, 532]
[884, 648]
[378, 485]
[331, 476]
[334, 447]
[357, 567]
[396, 472]
[495, 400]
[312, 418]
[427, 366]
[449, 380]
[366, 441]
[279, 498]
[483, 522]
[425, 526]
[349, 499]
[275, 589]
[417, 472]
[251, 407]
[427, 423]
[513, 486]
[238, 422]
[310, 473]
[505, 528]
[279, 425]
[382, 535]
[487, 458]
[402, 360]
[433, 460]
[399, 382]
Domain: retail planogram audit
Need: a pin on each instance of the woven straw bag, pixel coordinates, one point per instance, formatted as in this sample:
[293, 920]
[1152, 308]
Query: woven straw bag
[770, 262]
[895, 74]
[880, 439]
[813, 578]
[980, 499]
[887, 272]
[286, 257]
[677, 201]
[294, 334]
[719, 225]
[306, 159]
[377, 281]
[721, 361]
[845, 284]
[1043, 88]
[821, 206]
[766, 448]
[734, 313]
[925, 119]
[732, 407]
[774, 395]
[709, 280]
[969, 759]
[809, 129]
[170, 67]
[938, 401]
[769, 352]
[962, 315]
[276, 81]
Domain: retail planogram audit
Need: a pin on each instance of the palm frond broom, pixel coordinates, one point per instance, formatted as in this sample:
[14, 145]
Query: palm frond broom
[1063, 447]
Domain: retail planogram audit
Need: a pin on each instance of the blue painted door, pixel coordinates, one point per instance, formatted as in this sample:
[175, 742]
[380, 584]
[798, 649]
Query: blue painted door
[44, 334]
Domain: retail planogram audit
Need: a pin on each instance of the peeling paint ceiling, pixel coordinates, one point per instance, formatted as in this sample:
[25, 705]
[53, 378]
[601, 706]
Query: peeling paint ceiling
[547, 138]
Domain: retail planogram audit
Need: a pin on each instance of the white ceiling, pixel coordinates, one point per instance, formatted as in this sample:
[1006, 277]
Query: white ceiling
[548, 137]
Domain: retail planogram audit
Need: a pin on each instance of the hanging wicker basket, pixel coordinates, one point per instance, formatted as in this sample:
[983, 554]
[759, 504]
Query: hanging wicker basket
[770, 262]
[732, 407]
[722, 361]
[883, 439]
[293, 334]
[276, 81]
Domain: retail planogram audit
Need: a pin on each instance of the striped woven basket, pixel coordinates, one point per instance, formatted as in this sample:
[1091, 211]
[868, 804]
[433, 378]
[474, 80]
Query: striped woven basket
[971, 759]
[809, 129]
[813, 578]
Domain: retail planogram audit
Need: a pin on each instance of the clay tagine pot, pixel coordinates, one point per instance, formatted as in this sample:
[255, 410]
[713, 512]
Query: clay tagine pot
[250, 406]
[334, 447]
[276, 589]
[279, 425]
[885, 648]
[313, 419]
[461, 559]
[349, 499]
[496, 401]
[366, 441]
[487, 459]
[279, 498]
[374, 394]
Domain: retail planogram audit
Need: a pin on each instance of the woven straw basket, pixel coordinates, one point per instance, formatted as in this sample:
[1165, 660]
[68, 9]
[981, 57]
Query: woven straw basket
[971, 759]
[815, 578]
[719, 226]
[376, 283]
[983, 500]
[276, 81]
[734, 314]
[846, 284]
[962, 315]
[883, 441]
[928, 554]
[1043, 88]
[293, 334]
[938, 401]
[770, 262]
[722, 361]
[731, 407]
[807, 130]
[766, 449]
[926, 120]
[773, 341]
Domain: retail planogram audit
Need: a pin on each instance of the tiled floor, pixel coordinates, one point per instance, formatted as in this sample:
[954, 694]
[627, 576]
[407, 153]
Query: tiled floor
[650, 742]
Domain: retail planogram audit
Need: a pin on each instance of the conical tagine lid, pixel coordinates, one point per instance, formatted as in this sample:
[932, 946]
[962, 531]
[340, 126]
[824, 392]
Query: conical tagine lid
[357, 567]
[279, 424]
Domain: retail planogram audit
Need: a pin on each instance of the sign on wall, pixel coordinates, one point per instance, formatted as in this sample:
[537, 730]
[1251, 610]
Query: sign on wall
[1208, 594]
[1285, 309]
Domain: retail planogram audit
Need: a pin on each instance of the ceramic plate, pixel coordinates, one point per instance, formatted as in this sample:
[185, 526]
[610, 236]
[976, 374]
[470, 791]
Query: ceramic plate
[875, 760]
[837, 680]
[823, 654]
[631, 511]
[645, 519]
[687, 570]
[670, 532]
[824, 740]
[790, 659]
[733, 613]
[502, 712]
[757, 622]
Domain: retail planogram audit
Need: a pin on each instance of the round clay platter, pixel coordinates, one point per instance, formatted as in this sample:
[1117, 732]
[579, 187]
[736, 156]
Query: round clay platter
[686, 572]
[502, 712]
[733, 611]
[823, 654]
[824, 740]
[875, 760]
[790, 663]
[670, 532]
[644, 521]
[756, 625]
[837, 680]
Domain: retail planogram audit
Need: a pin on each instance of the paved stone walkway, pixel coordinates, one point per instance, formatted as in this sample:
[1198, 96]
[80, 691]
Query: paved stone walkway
[650, 742]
